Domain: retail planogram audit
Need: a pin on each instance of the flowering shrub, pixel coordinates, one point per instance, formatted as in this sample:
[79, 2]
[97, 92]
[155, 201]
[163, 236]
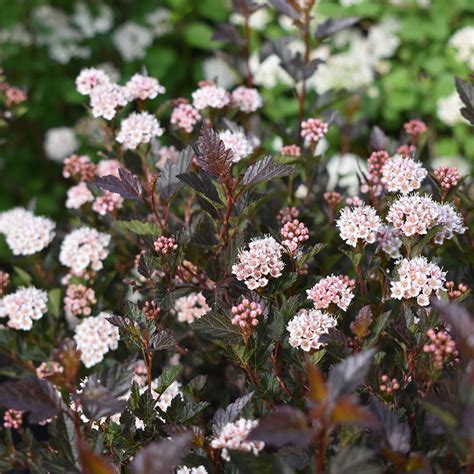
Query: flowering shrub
[227, 295]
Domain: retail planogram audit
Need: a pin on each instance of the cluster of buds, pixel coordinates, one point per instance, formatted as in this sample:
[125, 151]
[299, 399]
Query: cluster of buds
[442, 346]
[447, 177]
[49, 368]
[294, 233]
[406, 151]
[291, 150]
[246, 314]
[4, 282]
[287, 214]
[454, 291]
[165, 245]
[332, 198]
[388, 386]
[414, 128]
[79, 167]
[78, 300]
[355, 201]
[375, 163]
[13, 419]
[151, 310]
[313, 129]
[13, 95]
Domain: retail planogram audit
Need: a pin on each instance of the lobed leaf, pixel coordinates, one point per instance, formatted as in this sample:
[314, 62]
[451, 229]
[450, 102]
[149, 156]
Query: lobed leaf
[265, 170]
[127, 184]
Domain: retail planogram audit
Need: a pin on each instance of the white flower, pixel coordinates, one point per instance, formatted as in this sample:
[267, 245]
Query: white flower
[191, 307]
[403, 175]
[132, 40]
[191, 470]
[451, 222]
[23, 307]
[138, 128]
[78, 195]
[269, 72]
[238, 143]
[359, 223]
[463, 42]
[90, 78]
[144, 87]
[59, 143]
[246, 99]
[107, 98]
[92, 24]
[210, 95]
[307, 327]
[449, 110]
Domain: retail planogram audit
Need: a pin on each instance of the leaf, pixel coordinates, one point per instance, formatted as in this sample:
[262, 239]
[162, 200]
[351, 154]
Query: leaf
[265, 170]
[397, 433]
[228, 33]
[284, 7]
[167, 377]
[466, 93]
[212, 155]
[117, 377]
[202, 184]
[93, 463]
[69, 357]
[318, 390]
[346, 376]
[222, 417]
[98, 401]
[378, 139]
[162, 340]
[284, 426]
[311, 253]
[168, 184]
[218, 326]
[54, 301]
[348, 411]
[163, 456]
[127, 184]
[140, 228]
[36, 396]
[331, 26]
[25, 277]
[351, 459]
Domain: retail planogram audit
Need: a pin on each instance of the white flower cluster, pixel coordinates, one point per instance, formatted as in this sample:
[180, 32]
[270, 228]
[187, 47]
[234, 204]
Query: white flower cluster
[238, 143]
[78, 195]
[463, 42]
[107, 98]
[191, 470]
[83, 248]
[26, 233]
[261, 261]
[246, 99]
[233, 436]
[307, 327]
[138, 128]
[210, 95]
[95, 336]
[418, 278]
[144, 87]
[449, 109]
[23, 307]
[390, 241]
[59, 143]
[89, 79]
[359, 223]
[191, 307]
[402, 175]
[132, 40]
[451, 222]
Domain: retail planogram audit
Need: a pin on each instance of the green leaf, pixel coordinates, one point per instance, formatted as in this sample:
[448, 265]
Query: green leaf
[218, 325]
[140, 228]
[54, 301]
[25, 277]
[167, 377]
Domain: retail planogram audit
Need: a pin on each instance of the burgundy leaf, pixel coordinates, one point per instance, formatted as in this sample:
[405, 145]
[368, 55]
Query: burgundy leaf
[265, 170]
[378, 139]
[127, 184]
[332, 26]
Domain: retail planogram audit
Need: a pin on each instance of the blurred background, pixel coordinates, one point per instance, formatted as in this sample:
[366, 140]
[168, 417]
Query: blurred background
[397, 63]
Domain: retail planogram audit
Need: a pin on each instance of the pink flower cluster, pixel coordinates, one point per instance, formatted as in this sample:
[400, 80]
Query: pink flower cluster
[23, 307]
[165, 245]
[332, 198]
[413, 215]
[78, 195]
[261, 261]
[291, 150]
[95, 336]
[144, 87]
[388, 386]
[332, 290]
[106, 203]
[456, 291]
[441, 346]
[166, 153]
[84, 248]
[185, 117]
[108, 167]
[79, 167]
[89, 79]
[246, 314]
[313, 129]
[138, 128]
[446, 176]
[354, 201]
[294, 233]
[238, 143]
[210, 95]
[402, 175]
[4, 282]
[359, 223]
[390, 241]
[13, 419]
[414, 128]
[78, 300]
[451, 222]
[307, 327]
[48, 368]
[151, 310]
[418, 278]
[191, 307]
[287, 214]
[107, 98]
[246, 99]
[233, 436]
[406, 151]
[375, 164]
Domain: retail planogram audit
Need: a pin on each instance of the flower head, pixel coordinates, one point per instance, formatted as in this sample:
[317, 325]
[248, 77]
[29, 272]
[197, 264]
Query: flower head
[185, 117]
[238, 143]
[313, 129]
[78, 195]
[89, 79]
[414, 128]
[295, 233]
[138, 128]
[106, 203]
[291, 150]
[402, 175]
[144, 87]
[447, 177]
[107, 98]
[210, 95]
[360, 223]
[23, 307]
[246, 99]
[191, 307]
[332, 290]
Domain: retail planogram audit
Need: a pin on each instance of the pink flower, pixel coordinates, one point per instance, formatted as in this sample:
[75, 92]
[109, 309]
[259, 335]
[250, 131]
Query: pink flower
[414, 128]
[144, 87]
[191, 307]
[359, 223]
[287, 214]
[291, 150]
[209, 95]
[78, 300]
[294, 233]
[107, 98]
[185, 117]
[447, 177]
[89, 79]
[79, 167]
[78, 195]
[138, 128]
[313, 129]
[402, 175]
[246, 314]
[332, 290]
[246, 99]
[165, 245]
[106, 203]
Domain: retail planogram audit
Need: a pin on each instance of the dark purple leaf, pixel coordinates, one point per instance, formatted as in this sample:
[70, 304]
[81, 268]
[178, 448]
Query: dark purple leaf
[332, 26]
[378, 139]
[265, 170]
[284, 7]
[213, 157]
[222, 417]
[284, 426]
[466, 93]
[201, 183]
[36, 396]
[98, 401]
[229, 34]
[346, 376]
[127, 184]
[162, 456]
[168, 183]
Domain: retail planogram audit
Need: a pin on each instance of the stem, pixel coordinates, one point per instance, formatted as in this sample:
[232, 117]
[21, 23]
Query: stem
[277, 370]
[247, 45]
